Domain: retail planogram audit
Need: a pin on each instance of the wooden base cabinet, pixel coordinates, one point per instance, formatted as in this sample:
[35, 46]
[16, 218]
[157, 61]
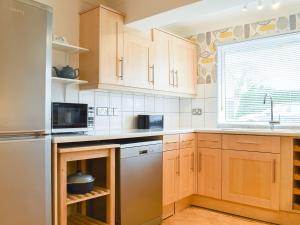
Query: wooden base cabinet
[251, 178]
[209, 172]
[187, 171]
[170, 176]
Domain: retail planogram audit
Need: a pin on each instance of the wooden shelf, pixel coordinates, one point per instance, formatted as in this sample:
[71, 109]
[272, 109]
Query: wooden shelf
[83, 220]
[296, 191]
[71, 49]
[296, 148]
[296, 206]
[68, 81]
[296, 162]
[96, 193]
[296, 176]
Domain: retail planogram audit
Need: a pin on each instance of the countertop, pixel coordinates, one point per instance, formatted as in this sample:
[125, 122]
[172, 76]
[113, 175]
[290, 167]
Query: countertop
[135, 133]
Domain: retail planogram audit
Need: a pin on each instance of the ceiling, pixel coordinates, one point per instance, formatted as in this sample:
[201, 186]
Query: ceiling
[211, 15]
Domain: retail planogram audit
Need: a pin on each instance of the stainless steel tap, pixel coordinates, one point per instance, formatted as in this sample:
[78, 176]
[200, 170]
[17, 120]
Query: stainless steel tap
[272, 122]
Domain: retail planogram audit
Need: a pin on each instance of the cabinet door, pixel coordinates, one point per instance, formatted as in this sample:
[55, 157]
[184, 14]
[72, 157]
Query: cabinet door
[185, 65]
[163, 73]
[209, 172]
[186, 172]
[137, 71]
[251, 178]
[111, 47]
[170, 176]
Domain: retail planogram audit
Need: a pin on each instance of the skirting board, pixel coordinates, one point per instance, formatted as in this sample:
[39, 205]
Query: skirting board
[277, 217]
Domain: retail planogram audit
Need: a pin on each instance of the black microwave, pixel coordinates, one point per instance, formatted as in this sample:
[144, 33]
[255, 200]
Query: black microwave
[150, 121]
[69, 117]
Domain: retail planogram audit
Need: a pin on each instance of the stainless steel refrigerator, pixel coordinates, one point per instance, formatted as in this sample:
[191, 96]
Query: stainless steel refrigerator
[25, 105]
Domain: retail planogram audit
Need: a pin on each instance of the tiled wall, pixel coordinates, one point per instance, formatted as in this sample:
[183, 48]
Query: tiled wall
[128, 106]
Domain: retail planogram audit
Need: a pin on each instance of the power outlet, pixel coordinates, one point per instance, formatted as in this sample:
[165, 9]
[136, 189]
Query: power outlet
[102, 111]
[110, 111]
[197, 111]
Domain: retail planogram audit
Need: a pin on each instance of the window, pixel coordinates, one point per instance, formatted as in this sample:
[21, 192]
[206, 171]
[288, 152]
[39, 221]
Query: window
[250, 69]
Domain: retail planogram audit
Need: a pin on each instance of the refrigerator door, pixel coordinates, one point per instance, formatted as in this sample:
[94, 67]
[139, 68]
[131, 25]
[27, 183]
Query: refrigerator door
[25, 181]
[25, 67]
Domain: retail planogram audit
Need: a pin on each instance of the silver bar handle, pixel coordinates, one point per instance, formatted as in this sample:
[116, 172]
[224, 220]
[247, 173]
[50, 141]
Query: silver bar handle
[199, 162]
[171, 74]
[178, 166]
[122, 68]
[176, 73]
[151, 80]
[274, 170]
[193, 161]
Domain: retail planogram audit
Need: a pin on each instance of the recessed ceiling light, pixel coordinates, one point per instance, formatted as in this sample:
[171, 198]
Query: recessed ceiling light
[259, 5]
[276, 4]
[245, 8]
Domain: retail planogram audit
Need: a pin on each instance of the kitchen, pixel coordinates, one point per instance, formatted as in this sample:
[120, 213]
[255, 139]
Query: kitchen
[179, 113]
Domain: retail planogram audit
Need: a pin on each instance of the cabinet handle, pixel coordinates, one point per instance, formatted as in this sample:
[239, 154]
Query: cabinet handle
[151, 80]
[178, 166]
[122, 68]
[193, 161]
[176, 72]
[274, 170]
[171, 74]
[247, 142]
[199, 162]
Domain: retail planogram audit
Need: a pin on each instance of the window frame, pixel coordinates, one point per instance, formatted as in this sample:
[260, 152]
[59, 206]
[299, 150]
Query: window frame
[221, 122]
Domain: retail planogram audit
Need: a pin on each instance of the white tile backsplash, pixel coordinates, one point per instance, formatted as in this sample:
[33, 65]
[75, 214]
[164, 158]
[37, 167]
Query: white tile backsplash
[171, 105]
[127, 120]
[210, 120]
[185, 105]
[159, 104]
[149, 104]
[185, 120]
[198, 121]
[101, 99]
[127, 103]
[210, 105]
[210, 91]
[139, 103]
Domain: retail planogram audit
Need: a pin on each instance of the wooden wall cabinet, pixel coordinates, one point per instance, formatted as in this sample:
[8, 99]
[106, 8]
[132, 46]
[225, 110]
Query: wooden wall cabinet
[251, 178]
[138, 64]
[175, 61]
[101, 30]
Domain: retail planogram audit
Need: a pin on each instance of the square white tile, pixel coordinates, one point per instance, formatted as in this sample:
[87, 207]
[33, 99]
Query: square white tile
[210, 120]
[127, 103]
[211, 105]
[87, 97]
[185, 120]
[171, 120]
[127, 120]
[159, 104]
[115, 122]
[115, 100]
[171, 105]
[198, 103]
[210, 90]
[185, 105]
[198, 121]
[149, 104]
[101, 99]
[102, 123]
[139, 103]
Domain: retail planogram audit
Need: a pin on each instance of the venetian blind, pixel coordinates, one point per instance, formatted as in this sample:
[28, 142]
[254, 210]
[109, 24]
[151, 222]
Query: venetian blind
[250, 69]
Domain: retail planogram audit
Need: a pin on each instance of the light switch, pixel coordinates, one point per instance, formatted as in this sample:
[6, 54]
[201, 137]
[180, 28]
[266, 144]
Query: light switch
[102, 111]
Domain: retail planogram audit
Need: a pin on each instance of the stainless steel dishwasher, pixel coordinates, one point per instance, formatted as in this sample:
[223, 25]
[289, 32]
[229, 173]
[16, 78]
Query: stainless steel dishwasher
[139, 183]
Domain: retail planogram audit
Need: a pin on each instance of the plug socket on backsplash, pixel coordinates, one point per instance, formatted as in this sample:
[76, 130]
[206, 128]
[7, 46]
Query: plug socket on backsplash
[197, 111]
[102, 111]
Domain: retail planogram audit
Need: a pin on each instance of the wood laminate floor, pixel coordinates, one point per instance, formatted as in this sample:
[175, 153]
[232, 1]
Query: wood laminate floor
[200, 216]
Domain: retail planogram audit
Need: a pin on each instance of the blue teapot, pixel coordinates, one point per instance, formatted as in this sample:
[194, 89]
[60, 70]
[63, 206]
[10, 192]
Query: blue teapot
[67, 72]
